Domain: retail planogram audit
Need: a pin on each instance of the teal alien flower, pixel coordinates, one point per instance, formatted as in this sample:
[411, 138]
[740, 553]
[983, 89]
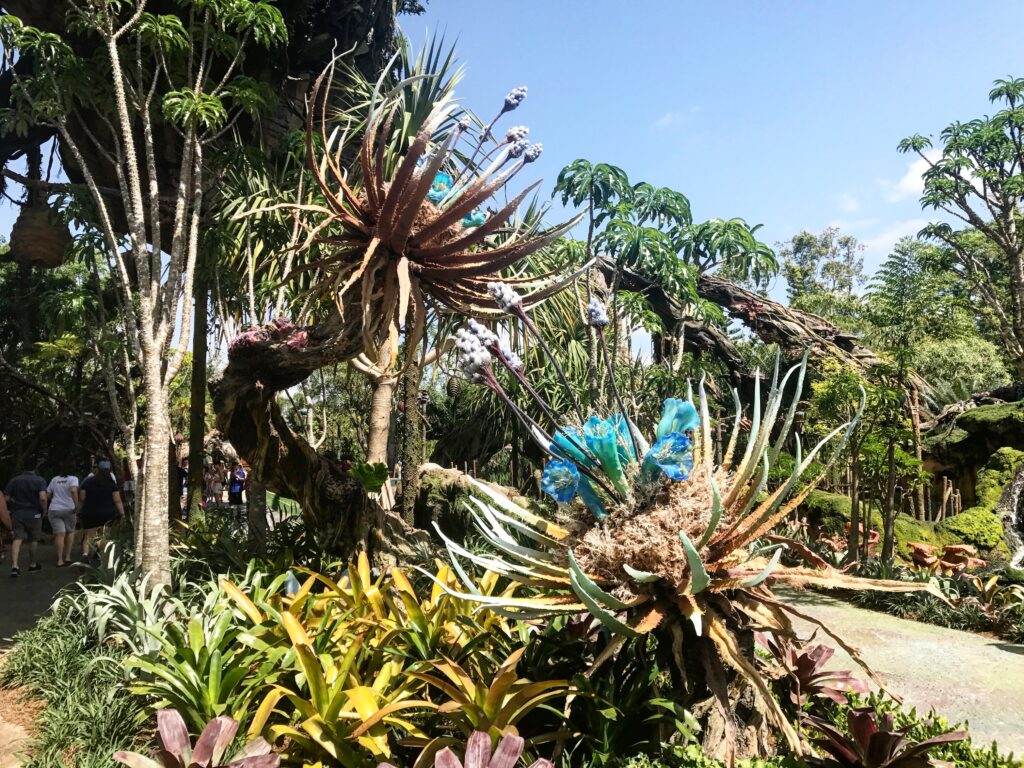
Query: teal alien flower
[440, 188]
[560, 480]
[602, 438]
[671, 455]
[568, 443]
[677, 416]
[624, 443]
[474, 219]
[590, 498]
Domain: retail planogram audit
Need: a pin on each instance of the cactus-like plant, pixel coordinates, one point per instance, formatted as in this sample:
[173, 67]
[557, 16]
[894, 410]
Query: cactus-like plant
[672, 542]
[209, 751]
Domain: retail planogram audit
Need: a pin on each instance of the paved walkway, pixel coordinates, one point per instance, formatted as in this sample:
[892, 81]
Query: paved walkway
[963, 676]
[27, 597]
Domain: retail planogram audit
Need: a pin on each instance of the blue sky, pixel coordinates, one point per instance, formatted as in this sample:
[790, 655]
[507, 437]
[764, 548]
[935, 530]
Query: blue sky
[784, 113]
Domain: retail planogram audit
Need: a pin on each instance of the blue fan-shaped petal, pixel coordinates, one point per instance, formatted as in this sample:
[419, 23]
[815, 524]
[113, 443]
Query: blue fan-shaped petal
[671, 455]
[560, 480]
[677, 416]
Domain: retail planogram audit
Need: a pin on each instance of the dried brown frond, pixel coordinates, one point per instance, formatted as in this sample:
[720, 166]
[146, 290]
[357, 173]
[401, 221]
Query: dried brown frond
[649, 541]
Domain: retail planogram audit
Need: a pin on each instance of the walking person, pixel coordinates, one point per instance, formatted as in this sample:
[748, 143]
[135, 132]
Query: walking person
[62, 493]
[236, 485]
[101, 504]
[5, 527]
[26, 503]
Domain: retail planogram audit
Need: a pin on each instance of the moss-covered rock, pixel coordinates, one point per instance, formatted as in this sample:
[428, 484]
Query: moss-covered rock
[830, 512]
[977, 526]
[997, 474]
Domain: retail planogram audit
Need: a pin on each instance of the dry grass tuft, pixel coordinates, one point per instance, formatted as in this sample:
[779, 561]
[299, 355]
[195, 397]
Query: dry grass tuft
[649, 540]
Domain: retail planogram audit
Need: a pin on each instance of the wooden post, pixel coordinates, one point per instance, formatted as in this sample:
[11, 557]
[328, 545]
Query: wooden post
[947, 491]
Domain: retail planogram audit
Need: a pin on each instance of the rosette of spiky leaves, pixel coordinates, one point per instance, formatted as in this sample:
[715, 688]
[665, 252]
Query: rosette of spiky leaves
[394, 245]
[695, 563]
[478, 754]
[210, 751]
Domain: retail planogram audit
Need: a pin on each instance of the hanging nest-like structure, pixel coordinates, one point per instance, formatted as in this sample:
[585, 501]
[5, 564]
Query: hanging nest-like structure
[39, 237]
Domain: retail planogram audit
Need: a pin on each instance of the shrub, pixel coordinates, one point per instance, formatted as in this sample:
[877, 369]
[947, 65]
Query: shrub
[89, 712]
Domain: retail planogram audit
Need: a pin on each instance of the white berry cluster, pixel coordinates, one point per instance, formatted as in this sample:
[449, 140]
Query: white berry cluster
[504, 296]
[597, 315]
[474, 360]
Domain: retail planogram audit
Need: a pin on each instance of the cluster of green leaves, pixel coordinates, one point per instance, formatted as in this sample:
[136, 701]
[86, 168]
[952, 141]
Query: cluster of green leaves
[988, 602]
[88, 712]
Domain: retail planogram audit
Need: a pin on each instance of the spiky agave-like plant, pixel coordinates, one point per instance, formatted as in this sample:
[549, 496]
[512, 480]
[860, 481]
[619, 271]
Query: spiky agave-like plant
[405, 232]
[673, 543]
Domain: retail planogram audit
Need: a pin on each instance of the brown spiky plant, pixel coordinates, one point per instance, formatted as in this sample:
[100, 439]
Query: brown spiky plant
[690, 559]
[386, 245]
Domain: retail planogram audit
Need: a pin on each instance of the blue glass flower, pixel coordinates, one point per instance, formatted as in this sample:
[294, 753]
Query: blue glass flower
[568, 443]
[602, 439]
[672, 455]
[624, 442]
[677, 416]
[474, 219]
[591, 499]
[440, 188]
[560, 480]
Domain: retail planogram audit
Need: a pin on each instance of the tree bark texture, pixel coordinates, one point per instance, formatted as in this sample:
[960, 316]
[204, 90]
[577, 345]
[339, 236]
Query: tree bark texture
[197, 397]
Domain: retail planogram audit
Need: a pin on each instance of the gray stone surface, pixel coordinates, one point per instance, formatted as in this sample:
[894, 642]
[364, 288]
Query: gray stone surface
[961, 675]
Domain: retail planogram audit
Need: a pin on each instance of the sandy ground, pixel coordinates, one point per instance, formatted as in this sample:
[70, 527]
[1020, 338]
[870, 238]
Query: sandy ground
[963, 676]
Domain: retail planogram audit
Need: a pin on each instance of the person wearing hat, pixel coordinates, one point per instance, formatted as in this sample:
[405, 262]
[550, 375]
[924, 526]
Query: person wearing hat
[101, 504]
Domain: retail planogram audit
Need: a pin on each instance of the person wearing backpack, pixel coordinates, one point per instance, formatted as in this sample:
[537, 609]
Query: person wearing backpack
[101, 504]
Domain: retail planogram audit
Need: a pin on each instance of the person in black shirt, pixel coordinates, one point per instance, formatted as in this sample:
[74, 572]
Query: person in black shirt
[101, 504]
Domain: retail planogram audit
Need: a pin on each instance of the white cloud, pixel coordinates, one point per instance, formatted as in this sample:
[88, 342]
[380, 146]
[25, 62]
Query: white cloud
[848, 203]
[910, 184]
[667, 120]
[674, 118]
[881, 244]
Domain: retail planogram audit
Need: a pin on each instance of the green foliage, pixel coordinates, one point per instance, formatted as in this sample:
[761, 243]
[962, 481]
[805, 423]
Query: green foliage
[976, 526]
[822, 272]
[89, 711]
[371, 476]
[959, 367]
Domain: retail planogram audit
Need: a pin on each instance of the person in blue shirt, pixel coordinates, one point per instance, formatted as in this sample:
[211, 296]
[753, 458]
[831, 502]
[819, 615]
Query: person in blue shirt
[236, 484]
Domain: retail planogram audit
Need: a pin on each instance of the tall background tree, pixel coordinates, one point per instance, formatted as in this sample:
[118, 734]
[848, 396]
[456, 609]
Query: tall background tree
[975, 176]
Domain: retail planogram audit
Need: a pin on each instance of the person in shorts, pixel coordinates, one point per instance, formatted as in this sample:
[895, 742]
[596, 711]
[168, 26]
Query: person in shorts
[101, 504]
[62, 493]
[26, 504]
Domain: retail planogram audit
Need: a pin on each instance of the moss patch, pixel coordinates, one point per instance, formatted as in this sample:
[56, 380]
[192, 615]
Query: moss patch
[831, 512]
[999, 418]
[996, 475]
[975, 525]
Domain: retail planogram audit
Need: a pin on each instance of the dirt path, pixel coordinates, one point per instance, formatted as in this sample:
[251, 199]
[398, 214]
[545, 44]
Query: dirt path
[963, 676]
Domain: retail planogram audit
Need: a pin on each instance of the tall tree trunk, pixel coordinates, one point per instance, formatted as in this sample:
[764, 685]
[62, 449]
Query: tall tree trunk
[197, 401]
[256, 512]
[915, 423]
[853, 538]
[382, 393]
[411, 453]
[889, 512]
[153, 556]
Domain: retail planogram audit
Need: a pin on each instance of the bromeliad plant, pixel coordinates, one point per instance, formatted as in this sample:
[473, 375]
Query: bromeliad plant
[670, 541]
[406, 232]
